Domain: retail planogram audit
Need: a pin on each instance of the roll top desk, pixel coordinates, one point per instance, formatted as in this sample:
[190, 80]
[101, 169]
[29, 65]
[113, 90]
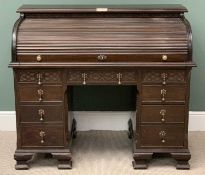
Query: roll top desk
[55, 47]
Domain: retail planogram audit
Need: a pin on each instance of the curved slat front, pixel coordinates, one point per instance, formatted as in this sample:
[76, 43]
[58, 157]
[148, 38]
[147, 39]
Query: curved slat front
[143, 39]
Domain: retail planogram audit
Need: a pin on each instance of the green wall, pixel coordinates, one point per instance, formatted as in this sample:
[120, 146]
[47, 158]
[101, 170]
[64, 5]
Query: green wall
[196, 16]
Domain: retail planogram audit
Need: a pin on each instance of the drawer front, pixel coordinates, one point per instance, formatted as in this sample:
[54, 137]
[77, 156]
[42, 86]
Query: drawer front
[161, 94]
[33, 93]
[164, 76]
[102, 77]
[162, 135]
[39, 76]
[162, 113]
[42, 136]
[103, 58]
[40, 113]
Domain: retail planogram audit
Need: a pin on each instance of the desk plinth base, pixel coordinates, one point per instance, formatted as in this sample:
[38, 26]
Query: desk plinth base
[23, 157]
[141, 160]
[64, 159]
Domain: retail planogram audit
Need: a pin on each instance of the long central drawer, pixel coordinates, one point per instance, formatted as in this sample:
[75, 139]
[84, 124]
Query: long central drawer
[97, 76]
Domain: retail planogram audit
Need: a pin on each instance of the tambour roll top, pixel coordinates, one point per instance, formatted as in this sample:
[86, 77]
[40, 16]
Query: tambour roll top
[82, 35]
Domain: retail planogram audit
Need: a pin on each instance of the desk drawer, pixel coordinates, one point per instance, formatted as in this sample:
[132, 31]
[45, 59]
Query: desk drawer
[39, 76]
[34, 93]
[40, 113]
[163, 94]
[164, 76]
[42, 136]
[162, 114]
[114, 57]
[162, 135]
[115, 77]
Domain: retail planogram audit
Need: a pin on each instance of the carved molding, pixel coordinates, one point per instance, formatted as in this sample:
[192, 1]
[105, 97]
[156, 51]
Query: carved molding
[101, 76]
[47, 76]
[172, 76]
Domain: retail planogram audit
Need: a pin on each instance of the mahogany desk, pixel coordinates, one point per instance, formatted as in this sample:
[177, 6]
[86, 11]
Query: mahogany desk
[55, 47]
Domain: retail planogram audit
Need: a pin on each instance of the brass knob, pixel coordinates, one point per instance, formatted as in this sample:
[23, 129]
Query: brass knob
[101, 57]
[84, 76]
[163, 119]
[41, 112]
[164, 57]
[39, 77]
[119, 76]
[42, 135]
[39, 58]
[40, 93]
[164, 76]
[163, 93]
[163, 141]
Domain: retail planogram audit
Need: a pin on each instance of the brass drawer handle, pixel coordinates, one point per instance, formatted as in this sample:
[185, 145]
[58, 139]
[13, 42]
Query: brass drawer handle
[163, 113]
[162, 135]
[40, 93]
[84, 76]
[101, 57]
[164, 77]
[39, 58]
[42, 135]
[164, 57]
[119, 76]
[39, 77]
[163, 93]
[41, 113]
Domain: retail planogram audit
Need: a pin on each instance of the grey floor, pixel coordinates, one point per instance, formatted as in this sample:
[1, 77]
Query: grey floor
[102, 153]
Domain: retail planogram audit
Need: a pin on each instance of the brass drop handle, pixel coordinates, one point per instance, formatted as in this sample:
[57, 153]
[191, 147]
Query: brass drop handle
[84, 76]
[39, 58]
[101, 57]
[39, 77]
[162, 135]
[42, 135]
[163, 93]
[164, 77]
[119, 76]
[41, 113]
[40, 93]
[163, 113]
[164, 57]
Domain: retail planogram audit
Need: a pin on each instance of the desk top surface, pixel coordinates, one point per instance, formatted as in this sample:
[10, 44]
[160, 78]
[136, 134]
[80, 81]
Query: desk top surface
[159, 8]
